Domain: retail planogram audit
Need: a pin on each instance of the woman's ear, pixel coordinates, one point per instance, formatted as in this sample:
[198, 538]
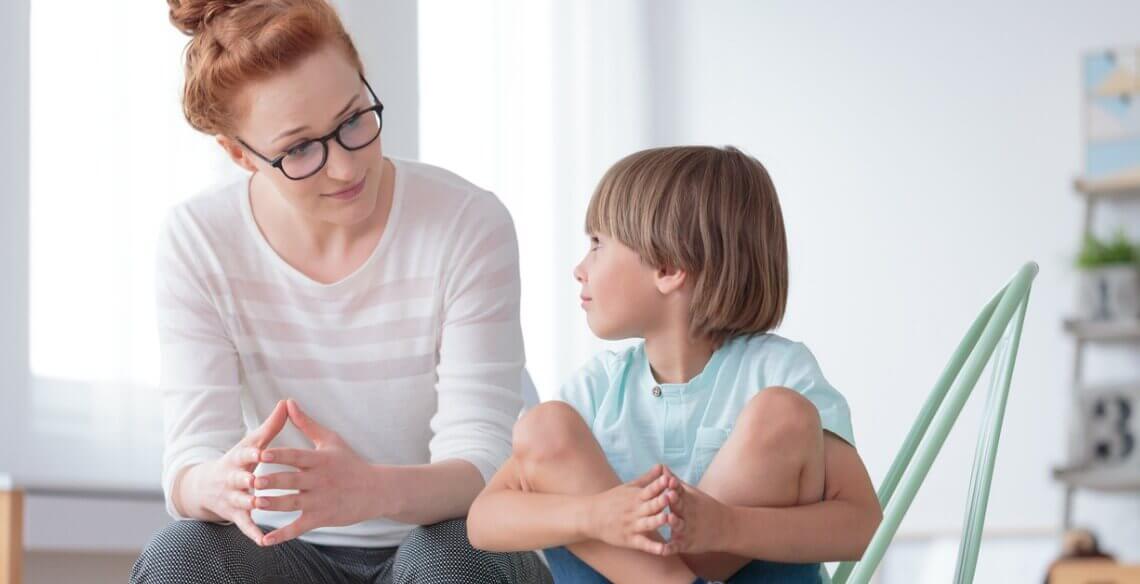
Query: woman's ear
[236, 153]
[669, 279]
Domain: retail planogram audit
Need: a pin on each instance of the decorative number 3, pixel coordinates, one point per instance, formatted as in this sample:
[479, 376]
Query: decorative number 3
[1112, 437]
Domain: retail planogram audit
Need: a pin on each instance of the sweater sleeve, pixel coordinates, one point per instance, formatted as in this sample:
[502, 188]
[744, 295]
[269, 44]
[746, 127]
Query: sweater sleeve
[199, 379]
[480, 347]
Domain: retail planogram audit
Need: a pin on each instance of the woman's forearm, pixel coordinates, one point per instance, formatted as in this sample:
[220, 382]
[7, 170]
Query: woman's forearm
[508, 520]
[183, 495]
[833, 530]
[424, 494]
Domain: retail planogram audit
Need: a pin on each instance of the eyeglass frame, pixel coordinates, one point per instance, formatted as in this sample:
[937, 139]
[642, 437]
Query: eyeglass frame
[278, 162]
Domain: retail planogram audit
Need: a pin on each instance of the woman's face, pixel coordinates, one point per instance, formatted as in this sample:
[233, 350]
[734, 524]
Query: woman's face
[302, 104]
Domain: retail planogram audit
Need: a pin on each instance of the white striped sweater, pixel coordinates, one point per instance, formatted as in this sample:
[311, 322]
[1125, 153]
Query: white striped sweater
[414, 358]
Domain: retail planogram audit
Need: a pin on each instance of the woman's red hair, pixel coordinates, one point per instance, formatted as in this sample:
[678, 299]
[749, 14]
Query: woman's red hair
[235, 42]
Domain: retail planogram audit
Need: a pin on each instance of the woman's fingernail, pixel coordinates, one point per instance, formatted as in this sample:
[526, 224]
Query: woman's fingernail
[267, 456]
[262, 483]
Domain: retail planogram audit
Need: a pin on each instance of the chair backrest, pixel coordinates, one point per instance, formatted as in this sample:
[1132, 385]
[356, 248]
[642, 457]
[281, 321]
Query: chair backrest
[997, 330]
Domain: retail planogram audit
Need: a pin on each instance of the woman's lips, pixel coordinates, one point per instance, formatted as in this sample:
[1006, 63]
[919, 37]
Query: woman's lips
[349, 193]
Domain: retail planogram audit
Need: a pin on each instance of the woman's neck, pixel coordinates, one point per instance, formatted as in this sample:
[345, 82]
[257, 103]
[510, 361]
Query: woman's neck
[321, 238]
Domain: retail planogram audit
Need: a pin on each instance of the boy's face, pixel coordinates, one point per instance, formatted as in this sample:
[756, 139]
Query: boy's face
[619, 293]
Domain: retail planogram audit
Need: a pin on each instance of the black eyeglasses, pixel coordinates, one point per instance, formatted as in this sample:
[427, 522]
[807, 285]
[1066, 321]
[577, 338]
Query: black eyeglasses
[309, 157]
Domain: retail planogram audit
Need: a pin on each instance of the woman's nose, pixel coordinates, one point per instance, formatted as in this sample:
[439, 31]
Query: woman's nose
[339, 165]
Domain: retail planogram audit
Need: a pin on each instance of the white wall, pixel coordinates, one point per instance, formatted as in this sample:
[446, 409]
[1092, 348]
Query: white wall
[385, 36]
[922, 153]
[13, 216]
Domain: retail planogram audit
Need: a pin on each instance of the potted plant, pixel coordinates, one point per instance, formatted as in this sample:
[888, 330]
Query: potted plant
[1110, 278]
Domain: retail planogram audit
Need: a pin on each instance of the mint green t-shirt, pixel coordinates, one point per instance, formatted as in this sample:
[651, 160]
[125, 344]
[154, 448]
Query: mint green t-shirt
[639, 422]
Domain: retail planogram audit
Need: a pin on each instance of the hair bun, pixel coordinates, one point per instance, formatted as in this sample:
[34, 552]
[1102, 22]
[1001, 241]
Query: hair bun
[191, 16]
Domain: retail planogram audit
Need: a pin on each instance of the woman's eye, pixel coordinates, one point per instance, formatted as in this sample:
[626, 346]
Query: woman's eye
[594, 243]
[300, 150]
[352, 122]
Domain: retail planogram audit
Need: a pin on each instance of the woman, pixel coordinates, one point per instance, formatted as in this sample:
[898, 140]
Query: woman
[341, 350]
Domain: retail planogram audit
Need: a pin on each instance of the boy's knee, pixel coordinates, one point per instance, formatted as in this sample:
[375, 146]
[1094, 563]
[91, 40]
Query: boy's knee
[549, 430]
[778, 417]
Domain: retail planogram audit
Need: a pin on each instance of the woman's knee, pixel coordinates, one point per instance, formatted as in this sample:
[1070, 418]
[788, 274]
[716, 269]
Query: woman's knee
[441, 553]
[189, 551]
[549, 431]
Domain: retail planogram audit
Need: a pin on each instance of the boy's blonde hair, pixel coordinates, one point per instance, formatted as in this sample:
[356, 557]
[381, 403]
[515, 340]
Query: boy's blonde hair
[712, 212]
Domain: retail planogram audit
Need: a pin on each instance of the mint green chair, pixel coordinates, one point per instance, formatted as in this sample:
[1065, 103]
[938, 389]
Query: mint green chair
[996, 331]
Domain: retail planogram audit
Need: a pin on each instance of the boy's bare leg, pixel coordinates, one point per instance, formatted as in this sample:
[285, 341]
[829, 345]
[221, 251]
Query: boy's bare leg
[773, 458]
[555, 452]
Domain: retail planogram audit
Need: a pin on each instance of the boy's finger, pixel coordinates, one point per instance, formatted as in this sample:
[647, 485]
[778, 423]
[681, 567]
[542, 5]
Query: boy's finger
[654, 488]
[648, 477]
[648, 546]
[655, 505]
[651, 523]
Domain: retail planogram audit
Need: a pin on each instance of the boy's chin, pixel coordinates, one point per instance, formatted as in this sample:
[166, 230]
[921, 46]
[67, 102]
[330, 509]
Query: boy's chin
[608, 334]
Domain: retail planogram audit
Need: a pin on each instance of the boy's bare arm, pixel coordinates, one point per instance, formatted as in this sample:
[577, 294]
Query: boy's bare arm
[506, 518]
[837, 529]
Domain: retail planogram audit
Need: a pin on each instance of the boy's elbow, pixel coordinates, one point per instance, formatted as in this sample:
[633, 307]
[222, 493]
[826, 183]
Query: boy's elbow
[479, 530]
[866, 532]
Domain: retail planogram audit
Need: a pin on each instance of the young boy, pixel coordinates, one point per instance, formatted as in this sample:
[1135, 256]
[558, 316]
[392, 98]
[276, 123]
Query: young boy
[728, 436]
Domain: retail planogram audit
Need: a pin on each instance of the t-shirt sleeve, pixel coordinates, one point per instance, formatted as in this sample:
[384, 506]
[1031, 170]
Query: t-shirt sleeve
[799, 370]
[584, 389]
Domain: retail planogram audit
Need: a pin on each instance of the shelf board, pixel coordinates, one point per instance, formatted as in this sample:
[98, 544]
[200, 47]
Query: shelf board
[1104, 330]
[1120, 188]
[1130, 387]
[1113, 478]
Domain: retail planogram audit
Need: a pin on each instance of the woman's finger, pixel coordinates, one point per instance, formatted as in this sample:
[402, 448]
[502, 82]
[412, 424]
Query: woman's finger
[240, 500]
[315, 432]
[280, 503]
[270, 428]
[291, 531]
[293, 481]
[244, 455]
[295, 457]
[241, 479]
[245, 523]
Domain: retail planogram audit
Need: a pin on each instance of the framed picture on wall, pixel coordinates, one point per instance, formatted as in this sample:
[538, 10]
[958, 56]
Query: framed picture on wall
[1112, 115]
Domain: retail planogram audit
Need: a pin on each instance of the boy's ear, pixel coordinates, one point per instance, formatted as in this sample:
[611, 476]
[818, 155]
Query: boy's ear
[669, 279]
[235, 152]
